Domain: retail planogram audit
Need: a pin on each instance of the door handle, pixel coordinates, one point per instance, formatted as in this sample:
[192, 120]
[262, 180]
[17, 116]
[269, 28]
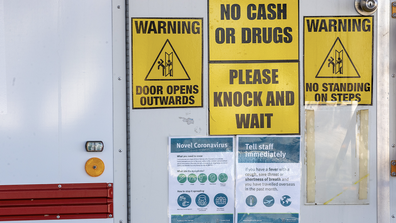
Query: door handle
[366, 7]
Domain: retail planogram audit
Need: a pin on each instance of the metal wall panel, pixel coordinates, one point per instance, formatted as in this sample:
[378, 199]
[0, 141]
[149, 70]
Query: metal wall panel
[58, 68]
[339, 212]
[150, 128]
[63, 67]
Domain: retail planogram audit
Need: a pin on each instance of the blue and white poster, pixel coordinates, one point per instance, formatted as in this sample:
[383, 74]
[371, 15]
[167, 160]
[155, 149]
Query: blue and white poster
[201, 179]
[268, 179]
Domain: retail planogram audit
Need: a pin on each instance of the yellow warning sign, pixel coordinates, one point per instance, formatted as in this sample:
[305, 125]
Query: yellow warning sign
[254, 98]
[166, 62]
[338, 60]
[253, 67]
[253, 30]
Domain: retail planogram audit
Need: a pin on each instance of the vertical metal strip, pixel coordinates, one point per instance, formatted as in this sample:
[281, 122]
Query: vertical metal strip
[310, 154]
[128, 107]
[363, 152]
[119, 112]
[383, 193]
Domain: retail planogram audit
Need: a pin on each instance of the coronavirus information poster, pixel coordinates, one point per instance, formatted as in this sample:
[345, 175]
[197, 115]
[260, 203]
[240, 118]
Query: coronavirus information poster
[268, 179]
[201, 179]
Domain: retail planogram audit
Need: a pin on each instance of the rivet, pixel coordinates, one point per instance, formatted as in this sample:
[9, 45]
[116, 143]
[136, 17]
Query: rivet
[393, 173]
[119, 78]
[109, 185]
[120, 150]
[58, 217]
[393, 163]
[394, 14]
[59, 186]
[393, 75]
[118, 6]
[393, 145]
[110, 215]
[394, 4]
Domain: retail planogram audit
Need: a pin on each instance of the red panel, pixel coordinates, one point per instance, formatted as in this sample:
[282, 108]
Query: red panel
[55, 186]
[42, 202]
[37, 194]
[46, 210]
[68, 201]
[52, 217]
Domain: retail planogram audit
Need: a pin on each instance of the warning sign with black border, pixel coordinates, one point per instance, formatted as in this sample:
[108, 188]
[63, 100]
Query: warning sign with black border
[338, 60]
[167, 62]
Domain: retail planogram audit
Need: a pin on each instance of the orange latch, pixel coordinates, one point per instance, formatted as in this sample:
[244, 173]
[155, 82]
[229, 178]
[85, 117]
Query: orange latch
[393, 168]
[393, 9]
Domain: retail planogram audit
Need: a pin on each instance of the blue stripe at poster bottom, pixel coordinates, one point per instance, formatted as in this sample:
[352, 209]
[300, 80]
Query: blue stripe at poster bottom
[268, 217]
[208, 218]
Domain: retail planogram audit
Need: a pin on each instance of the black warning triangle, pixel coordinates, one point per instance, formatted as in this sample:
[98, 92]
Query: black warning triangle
[337, 63]
[167, 66]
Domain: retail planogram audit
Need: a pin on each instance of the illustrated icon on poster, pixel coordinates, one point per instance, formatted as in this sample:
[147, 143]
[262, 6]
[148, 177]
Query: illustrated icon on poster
[184, 200]
[337, 63]
[268, 201]
[251, 201]
[202, 178]
[202, 200]
[167, 66]
[285, 201]
[192, 178]
[223, 177]
[212, 177]
[181, 178]
[220, 200]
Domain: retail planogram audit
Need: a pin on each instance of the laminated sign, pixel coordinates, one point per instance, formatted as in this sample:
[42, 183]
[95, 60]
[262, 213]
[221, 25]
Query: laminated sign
[268, 179]
[253, 67]
[338, 60]
[201, 179]
[166, 62]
